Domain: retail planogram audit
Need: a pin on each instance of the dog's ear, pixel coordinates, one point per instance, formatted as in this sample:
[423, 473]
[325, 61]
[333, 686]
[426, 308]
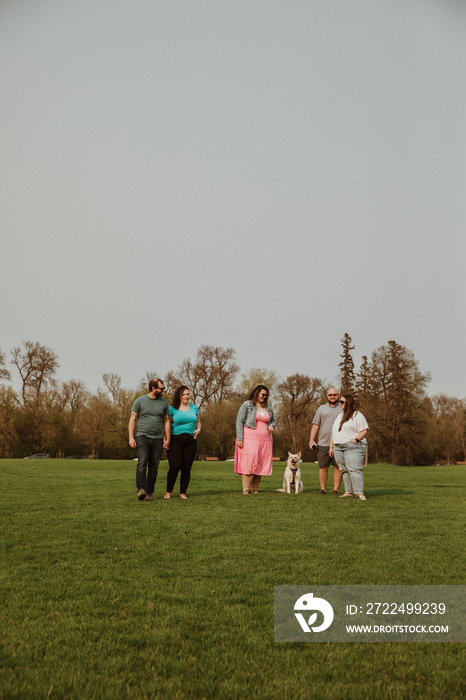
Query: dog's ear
[299, 455]
[289, 454]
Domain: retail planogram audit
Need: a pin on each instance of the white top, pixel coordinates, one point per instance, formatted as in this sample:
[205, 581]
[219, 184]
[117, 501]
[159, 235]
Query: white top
[350, 429]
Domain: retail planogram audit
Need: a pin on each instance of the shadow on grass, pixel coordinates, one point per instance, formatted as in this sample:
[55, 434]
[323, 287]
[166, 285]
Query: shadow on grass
[234, 492]
[371, 493]
[447, 486]
[213, 492]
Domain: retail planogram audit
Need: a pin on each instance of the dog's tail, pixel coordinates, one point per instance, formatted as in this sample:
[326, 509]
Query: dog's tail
[280, 490]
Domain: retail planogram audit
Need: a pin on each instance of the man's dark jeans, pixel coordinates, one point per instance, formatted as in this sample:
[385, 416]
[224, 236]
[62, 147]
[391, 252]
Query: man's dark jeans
[148, 451]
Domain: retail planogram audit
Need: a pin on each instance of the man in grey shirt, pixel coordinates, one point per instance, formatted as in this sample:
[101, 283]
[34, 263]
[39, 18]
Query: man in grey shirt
[152, 434]
[323, 422]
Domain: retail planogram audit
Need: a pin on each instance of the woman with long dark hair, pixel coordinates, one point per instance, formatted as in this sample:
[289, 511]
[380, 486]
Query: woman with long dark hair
[255, 424]
[349, 447]
[185, 427]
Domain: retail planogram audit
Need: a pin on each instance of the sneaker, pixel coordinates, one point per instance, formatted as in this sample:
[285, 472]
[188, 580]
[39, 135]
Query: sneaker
[323, 492]
[347, 495]
[141, 494]
[150, 497]
[361, 496]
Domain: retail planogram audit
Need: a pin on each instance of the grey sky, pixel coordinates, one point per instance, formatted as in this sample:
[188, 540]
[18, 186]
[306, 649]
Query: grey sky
[263, 174]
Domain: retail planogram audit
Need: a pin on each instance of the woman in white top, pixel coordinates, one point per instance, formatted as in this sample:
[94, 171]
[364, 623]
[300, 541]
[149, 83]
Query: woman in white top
[349, 447]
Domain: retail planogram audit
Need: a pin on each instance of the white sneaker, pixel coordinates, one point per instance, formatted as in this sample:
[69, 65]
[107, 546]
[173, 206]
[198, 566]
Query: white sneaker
[347, 495]
[361, 496]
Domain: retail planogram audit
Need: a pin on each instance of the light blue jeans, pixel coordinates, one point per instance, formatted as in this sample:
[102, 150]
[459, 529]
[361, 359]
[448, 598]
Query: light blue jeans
[350, 459]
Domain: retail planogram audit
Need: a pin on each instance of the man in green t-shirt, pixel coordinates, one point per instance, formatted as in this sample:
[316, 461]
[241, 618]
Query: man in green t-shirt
[152, 434]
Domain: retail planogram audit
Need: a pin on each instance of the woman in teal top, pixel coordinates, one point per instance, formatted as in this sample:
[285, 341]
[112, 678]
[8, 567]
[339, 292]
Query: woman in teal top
[185, 427]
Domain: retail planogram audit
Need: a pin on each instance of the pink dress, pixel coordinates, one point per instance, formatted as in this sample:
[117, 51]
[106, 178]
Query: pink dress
[255, 457]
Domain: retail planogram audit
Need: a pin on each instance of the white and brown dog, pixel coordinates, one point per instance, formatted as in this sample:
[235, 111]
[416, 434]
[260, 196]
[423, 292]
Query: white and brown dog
[292, 477]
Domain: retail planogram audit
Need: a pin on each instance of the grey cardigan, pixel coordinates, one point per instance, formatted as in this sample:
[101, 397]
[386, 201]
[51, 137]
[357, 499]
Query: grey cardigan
[247, 417]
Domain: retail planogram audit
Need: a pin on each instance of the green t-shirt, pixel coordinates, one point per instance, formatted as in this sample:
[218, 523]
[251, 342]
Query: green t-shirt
[151, 414]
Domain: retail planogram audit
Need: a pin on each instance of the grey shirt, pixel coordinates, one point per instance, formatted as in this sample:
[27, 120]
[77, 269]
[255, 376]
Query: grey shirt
[151, 415]
[325, 418]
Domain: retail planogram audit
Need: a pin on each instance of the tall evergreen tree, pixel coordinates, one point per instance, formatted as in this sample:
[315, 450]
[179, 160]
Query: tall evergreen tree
[347, 377]
[363, 380]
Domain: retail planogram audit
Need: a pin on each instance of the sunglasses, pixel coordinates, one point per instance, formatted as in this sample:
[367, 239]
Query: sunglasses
[342, 402]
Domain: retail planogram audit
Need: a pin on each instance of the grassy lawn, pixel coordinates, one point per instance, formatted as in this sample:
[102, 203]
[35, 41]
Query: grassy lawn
[108, 597]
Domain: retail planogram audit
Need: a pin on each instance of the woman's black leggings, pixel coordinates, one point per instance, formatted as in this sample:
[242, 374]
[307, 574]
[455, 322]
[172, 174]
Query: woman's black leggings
[180, 458]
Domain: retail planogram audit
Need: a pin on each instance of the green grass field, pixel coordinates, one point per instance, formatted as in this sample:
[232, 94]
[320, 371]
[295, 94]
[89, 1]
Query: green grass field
[108, 597]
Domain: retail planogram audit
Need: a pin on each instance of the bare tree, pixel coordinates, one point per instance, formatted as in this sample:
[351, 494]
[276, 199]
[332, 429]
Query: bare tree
[8, 411]
[113, 383]
[450, 421]
[52, 397]
[75, 395]
[36, 365]
[211, 376]
[99, 424]
[249, 380]
[143, 386]
[4, 373]
[298, 393]
[172, 382]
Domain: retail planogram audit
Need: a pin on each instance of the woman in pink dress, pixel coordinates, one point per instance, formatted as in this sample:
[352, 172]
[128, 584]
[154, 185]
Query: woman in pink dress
[255, 424]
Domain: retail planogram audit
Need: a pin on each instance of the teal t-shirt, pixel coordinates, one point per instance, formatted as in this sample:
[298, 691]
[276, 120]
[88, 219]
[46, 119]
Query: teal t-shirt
[184, 422]
[151, 414]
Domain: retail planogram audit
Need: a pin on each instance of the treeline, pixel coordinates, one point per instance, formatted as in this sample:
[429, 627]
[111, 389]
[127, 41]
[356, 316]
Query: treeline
[63, 419]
